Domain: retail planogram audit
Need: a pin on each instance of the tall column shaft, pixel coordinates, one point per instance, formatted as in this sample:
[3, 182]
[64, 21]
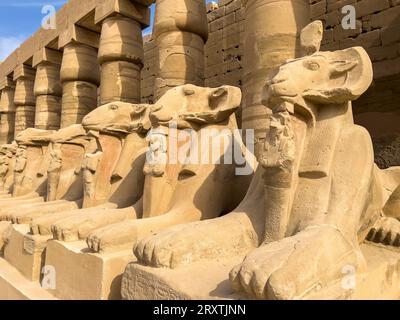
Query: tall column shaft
[24, 98]
[7, 111]
[121, 58]
[80, 73]
[80, 77]
[47, 89]
[121, 51]
[272, 30]
[180, 31]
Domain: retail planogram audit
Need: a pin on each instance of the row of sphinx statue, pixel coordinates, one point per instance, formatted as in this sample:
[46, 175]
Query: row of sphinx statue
[312, 203]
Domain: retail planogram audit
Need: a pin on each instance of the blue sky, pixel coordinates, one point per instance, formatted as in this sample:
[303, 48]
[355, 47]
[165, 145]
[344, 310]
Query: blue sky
[21, 18]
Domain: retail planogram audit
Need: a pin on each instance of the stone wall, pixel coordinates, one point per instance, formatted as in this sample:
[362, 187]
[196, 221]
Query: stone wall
[377, 30]
[149, 70]
[223, 50]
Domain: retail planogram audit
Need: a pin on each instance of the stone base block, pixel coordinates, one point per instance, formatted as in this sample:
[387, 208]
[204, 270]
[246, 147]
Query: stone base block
[82, 275]
[14, 286]
[210, 280]
[25, 252]
[380, 282]
[199, 281]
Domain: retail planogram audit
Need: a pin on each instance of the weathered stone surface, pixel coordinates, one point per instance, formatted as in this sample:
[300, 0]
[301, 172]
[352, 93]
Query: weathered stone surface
[180, 30]
[317, 204]
[267, 44]
[277, 239]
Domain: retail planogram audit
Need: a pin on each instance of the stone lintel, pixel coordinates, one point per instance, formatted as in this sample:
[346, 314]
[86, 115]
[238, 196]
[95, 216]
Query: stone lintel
[47, 55]
[24, 71]
[77, 34]
[6, 82]
[134, 10]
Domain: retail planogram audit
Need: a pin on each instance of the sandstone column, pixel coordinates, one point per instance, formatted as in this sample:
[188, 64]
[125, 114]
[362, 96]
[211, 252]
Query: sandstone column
[7, 110]
[24, 98]
[80, 74]
[121, 48]
[47, 89]
[272, 30]
[180, 31]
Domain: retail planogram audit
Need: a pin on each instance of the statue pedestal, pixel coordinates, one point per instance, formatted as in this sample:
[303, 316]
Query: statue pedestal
[380, 282]
[26, 253]
[198, 281]
[14, 286]
[83, 275]
[210, 280]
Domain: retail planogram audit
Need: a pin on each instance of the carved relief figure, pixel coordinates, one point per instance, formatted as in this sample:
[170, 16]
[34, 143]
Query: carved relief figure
[7, 159]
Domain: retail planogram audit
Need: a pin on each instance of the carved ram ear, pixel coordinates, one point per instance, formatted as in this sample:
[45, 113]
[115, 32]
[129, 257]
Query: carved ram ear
[339, 67]
[140, 117]
[350, 76]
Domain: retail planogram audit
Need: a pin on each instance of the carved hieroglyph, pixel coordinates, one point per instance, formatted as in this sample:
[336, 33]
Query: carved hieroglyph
[321, 191]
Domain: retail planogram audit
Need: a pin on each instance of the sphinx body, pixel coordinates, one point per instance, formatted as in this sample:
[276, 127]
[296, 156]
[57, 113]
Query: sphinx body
[315, 195]
[29, 176]
[64, 177]
[173, 193]
[113, 172]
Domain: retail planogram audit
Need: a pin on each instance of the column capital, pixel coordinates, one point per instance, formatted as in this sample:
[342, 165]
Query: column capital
[136, 10]
[77, 34]
[47, 55]
[24, 71]
[6, 83]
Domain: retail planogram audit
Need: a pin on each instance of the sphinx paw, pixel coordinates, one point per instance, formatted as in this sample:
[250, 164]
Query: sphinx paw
[21, 218]
[95, 241]
[65, 231]
[167, 249]
[116, 236]
[295, 266]
[386, 231]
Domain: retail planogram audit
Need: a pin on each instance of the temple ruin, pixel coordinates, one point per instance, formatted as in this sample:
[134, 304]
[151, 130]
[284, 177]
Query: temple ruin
[106, 188]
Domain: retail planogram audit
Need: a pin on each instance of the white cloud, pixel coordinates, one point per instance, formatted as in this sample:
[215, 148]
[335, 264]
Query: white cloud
[33, 4]
[9, 44]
